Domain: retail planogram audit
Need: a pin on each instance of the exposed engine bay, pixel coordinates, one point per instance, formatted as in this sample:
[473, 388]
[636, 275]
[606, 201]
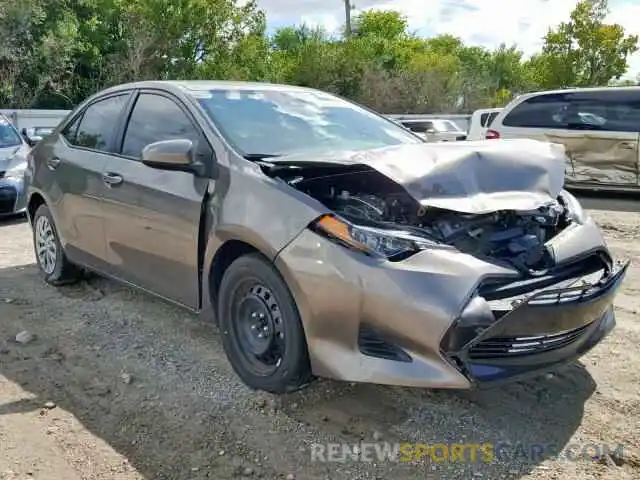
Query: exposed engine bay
[365, 197]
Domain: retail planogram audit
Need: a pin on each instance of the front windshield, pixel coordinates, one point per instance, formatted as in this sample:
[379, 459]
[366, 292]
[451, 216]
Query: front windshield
[446, 126]
[8, 135]
[280, 121]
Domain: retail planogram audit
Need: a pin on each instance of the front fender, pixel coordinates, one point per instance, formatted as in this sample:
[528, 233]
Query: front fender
[249, 207]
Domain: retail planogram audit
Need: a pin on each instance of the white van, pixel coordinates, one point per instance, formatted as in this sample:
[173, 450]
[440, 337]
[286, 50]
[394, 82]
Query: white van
[599, 128]
[480, 121]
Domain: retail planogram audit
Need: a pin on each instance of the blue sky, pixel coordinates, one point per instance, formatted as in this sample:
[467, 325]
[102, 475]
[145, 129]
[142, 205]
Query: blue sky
[480, 22]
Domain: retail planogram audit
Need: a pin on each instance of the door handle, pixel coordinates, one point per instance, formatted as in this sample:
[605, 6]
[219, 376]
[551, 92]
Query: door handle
[628, 145]
[53, 163]
[111, 179]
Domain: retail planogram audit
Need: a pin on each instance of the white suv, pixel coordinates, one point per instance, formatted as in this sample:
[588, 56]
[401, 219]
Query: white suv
[599, 128]
[480, 121]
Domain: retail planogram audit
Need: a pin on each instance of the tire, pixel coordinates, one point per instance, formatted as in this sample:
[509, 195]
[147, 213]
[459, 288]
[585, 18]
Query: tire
[253, 293]
[54, 266]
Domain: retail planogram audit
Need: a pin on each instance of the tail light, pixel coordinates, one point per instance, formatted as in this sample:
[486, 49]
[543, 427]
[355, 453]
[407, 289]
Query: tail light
[492, 135]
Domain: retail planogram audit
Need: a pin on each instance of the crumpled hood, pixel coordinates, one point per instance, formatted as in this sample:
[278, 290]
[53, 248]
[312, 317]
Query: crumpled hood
[470, 177]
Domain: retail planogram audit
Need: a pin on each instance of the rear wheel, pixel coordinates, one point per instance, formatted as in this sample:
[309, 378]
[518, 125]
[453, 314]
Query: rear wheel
[262, 331]
[52, 262]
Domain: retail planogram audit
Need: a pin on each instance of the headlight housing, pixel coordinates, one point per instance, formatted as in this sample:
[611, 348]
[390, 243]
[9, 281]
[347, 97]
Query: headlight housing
[392, 245]
[16, 172]
[575, 211]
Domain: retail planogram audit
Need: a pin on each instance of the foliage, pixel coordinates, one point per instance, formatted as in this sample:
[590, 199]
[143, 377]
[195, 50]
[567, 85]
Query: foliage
[55, 53]
[584, 51]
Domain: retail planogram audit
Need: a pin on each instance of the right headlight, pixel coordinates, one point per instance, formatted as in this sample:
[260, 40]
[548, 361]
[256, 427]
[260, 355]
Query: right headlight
[574, 209]
[16, 173]
[376, 242]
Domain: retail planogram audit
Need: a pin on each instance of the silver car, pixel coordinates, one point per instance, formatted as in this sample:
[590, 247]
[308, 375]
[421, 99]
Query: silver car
[436, 130]
[13, 162]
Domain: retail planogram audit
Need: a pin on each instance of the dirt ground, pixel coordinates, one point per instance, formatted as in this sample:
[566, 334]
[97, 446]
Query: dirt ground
[140, 389]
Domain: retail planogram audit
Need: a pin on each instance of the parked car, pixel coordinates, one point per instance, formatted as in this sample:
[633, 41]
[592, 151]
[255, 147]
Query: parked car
[328, 240]
[480, 121]
[598, 127]
[33, 135]
[30, 118]
[436, 130]
[13, 162]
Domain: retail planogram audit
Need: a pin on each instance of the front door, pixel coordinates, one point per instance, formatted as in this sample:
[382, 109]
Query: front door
[152, 216]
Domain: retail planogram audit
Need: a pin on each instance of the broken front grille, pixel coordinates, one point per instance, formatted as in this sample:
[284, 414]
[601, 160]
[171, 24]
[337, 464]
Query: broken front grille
[501, 288]
[504, 347]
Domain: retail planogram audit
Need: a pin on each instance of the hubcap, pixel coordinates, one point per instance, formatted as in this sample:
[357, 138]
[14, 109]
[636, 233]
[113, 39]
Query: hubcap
[259, 328]
[45, 245]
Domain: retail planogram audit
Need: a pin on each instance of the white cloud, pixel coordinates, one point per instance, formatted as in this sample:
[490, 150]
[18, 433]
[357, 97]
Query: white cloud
[481, 22]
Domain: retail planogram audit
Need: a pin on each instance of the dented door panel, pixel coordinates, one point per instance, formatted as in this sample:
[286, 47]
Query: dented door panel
[600, 157]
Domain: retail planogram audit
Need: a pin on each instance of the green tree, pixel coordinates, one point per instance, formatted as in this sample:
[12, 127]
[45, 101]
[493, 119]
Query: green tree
[37, 56]
[387, 24]
[55, 53]
[584, 51]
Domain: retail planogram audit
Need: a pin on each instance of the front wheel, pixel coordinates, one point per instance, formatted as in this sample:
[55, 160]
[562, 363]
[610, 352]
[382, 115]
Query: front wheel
[52, 262]
[262, 331]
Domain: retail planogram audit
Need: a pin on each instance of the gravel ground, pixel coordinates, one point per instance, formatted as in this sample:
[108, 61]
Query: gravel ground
[139, 389]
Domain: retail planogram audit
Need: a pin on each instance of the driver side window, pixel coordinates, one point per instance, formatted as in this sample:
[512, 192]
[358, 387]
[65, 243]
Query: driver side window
[155, 118]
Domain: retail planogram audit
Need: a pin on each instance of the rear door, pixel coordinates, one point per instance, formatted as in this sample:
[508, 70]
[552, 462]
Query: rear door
[70, 167]
[599, 129]
[152, 216]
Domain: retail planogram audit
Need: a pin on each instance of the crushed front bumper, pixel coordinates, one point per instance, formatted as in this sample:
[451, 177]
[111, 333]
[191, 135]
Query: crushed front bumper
[422, 322]
[542, 330]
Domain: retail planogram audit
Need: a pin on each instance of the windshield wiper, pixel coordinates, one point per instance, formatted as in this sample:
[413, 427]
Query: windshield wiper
[260, 156]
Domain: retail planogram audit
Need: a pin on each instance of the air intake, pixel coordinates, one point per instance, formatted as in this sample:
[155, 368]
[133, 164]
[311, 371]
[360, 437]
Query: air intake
[373, 344]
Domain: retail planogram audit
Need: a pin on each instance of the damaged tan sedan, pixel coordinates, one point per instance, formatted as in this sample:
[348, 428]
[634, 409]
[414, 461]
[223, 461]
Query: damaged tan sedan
[324, 238]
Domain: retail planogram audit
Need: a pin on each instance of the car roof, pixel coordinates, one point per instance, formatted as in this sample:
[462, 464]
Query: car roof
[578, 90]
[189, 86]
[487, 110]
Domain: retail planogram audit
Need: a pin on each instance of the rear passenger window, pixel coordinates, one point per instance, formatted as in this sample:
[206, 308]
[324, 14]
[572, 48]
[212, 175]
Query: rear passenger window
[483, 119]
[597, 110]
[536, 112]
[98, 123]
[155, 118]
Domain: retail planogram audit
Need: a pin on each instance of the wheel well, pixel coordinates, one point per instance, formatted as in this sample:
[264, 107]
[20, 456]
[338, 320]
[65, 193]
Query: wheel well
[225, 256]
[34, 203]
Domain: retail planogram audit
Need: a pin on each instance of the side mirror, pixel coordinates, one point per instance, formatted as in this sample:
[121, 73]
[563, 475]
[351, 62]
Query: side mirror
[177, 154]
[431, 131]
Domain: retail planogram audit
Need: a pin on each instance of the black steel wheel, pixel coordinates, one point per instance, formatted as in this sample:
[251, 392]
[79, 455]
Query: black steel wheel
[262, 331]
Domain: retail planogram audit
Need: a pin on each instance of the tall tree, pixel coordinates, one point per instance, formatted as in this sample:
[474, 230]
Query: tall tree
[584, 51]
[387, 24]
